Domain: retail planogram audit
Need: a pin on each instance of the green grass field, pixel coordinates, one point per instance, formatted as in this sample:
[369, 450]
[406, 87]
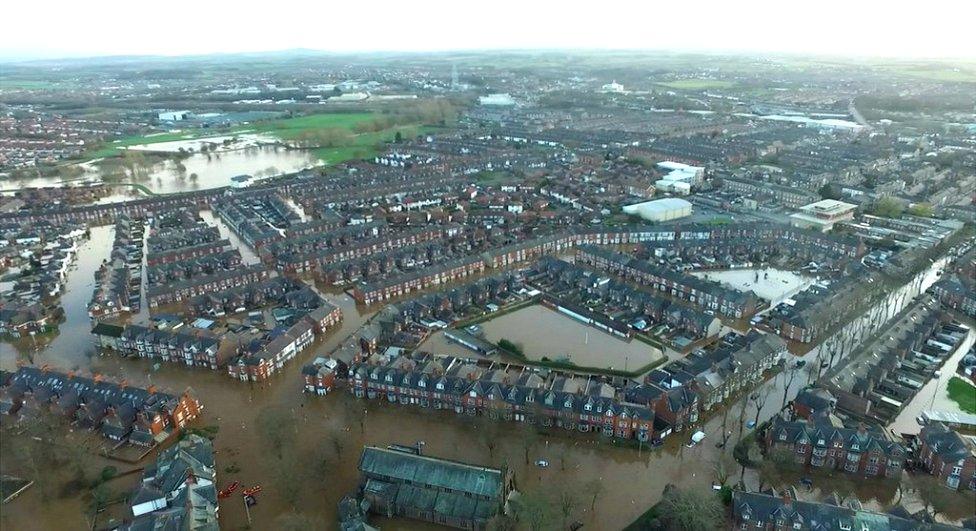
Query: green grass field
[291, 128]
[28, 84]
[698, 84]
[113, 148]
[963, 394]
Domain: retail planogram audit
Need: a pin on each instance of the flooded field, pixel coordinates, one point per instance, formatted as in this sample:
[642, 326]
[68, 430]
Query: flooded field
[773, 285]
[198, 171]
[544, 333]
[217, 169]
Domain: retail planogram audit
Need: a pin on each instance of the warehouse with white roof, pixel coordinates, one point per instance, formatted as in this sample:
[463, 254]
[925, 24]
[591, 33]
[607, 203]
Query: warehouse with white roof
[660, 209]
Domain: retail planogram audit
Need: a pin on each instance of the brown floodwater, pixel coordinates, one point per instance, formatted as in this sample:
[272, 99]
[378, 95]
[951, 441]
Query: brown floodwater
[543, 332]
[631, 479]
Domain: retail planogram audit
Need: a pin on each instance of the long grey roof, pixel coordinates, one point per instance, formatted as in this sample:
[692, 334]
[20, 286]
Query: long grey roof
[431, 472]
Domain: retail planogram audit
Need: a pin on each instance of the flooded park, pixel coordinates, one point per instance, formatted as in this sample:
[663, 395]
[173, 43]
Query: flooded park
[171, 172]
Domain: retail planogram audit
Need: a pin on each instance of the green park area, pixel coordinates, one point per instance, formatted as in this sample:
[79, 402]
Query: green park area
[962, 393]
[332, 137]
[697, 84]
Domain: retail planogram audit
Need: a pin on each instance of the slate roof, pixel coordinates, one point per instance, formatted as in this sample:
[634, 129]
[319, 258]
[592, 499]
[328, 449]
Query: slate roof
[816, 516]
[431, 472]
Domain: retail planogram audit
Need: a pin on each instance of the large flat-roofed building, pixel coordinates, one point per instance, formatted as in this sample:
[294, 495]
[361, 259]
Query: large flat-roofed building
[399, 481]
[822, 215]
[660, 209]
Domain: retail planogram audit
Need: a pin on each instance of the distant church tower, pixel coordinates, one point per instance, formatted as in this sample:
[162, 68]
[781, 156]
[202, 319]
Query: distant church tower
[455, 84]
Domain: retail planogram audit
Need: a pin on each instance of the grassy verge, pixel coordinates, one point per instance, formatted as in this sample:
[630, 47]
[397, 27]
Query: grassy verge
[963, 394]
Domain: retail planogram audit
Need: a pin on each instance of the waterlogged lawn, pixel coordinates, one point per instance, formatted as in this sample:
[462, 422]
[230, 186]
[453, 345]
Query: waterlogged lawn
[361, 145]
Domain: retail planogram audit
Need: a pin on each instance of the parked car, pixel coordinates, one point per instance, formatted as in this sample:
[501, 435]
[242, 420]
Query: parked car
[696, 438]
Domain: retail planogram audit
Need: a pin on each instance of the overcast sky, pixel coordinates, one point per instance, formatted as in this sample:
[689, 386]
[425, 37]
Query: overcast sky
[56, 28]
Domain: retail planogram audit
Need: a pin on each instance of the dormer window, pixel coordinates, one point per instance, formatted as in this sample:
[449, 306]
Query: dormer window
[389, 377]
[440, 386]
[422, 383]
[855, 447]
[782, 436]
[588, 407]
[820, 442]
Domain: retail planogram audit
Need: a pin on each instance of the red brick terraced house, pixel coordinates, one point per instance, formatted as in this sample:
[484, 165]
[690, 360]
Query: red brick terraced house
[949, 456]
[858, 451]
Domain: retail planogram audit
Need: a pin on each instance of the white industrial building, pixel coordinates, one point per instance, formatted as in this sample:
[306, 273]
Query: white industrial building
[680, 178]
[497, 99]
[823, 215]
[660, 209]
[174, 116]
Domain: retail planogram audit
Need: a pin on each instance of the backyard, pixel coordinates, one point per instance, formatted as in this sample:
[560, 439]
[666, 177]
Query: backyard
[963, 393]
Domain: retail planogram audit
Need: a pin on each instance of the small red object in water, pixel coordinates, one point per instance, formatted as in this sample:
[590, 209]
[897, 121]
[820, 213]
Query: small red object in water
[252, 491]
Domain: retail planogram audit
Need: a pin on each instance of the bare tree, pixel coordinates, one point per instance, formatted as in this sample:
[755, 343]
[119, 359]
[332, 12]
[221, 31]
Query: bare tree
[758, 399]
[533, 510]
[788, 380]
[567, 502]
[595, 488]
[275, 426]
[529, 440]
[725, 423]
[287, 477]
[722, 466]
[500, 522]
[934, 494]
[337, 444]
[297, 522]
[690, 510]
[743, 404]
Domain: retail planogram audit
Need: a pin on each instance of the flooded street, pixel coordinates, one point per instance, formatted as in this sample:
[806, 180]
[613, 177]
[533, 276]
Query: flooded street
[330, 431]
[933, 396]
[247, 255]
[69, 347]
